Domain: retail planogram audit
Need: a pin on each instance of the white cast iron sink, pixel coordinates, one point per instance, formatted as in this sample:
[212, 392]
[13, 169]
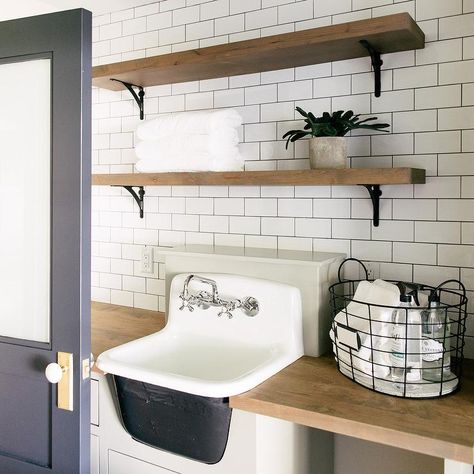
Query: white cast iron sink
[203, 354]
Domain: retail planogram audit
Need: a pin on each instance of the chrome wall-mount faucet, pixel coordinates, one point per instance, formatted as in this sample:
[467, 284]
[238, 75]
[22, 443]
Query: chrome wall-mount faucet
[206, 299]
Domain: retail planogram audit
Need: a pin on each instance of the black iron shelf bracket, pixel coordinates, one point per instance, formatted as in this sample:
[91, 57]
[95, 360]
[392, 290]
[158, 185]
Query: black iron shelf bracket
[139, 98]
[375, 192]
[376, 65]
[138, 197]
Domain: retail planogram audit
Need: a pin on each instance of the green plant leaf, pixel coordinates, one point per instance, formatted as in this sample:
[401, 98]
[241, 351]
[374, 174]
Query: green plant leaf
[297, 136]
[367, 120]
[347, 115]
[338, 124]
[293, 135]
[301, 111]
[376, 127]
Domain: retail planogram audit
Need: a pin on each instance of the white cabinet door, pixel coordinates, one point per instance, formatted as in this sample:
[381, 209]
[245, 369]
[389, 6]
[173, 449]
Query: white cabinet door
[455, 467]
[121, 464]
[94, 402]
[95, 454]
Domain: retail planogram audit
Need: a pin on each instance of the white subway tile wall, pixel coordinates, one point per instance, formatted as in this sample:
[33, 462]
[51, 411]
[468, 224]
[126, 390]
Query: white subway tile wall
[426, 232]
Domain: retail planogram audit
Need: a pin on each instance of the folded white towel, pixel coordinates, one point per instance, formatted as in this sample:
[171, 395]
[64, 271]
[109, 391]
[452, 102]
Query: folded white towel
[190, 141]
[183, 124]
[198, 162]
[192, 154]
[217, 145]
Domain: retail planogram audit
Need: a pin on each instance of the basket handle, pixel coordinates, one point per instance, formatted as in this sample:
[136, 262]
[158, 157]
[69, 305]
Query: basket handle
[355, 260]
[453, 280]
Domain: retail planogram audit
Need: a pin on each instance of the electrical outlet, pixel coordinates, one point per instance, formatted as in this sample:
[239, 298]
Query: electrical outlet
[373, 271]
[147, 260]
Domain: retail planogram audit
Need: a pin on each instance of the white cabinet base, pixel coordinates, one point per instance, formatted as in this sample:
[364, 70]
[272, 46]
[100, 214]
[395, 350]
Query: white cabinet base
[455, 467]
[94, 454]
[257, 445]
[121, 464]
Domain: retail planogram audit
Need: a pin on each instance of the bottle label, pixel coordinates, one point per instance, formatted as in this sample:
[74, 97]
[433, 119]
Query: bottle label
[432, 350]
[398, 343]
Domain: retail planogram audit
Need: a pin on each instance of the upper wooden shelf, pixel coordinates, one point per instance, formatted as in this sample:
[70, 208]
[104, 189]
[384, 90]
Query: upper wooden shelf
[386, 34]
[347, 176]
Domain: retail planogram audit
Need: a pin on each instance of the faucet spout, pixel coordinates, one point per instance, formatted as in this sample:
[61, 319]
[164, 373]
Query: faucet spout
[205, 299]
[208, 281]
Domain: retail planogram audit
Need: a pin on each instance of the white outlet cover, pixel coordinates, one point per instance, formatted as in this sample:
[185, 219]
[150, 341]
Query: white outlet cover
[147, 260]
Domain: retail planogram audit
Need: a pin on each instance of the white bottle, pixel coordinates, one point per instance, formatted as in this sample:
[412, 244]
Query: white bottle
[436, 346]
[406, 350]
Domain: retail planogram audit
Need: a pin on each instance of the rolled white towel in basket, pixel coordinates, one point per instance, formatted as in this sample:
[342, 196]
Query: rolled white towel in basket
[380, 295]
[183, 124]
[368, 315]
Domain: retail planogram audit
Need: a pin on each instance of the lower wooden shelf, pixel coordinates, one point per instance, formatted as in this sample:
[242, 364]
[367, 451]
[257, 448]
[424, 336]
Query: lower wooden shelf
[312, 392]
[346, 176]
[370, 178]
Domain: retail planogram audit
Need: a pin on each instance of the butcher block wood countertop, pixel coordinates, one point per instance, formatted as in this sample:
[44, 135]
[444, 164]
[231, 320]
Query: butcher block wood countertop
[312, 392]
[113, 325]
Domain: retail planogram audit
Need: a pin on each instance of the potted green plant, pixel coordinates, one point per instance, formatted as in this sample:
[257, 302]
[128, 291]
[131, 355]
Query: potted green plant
[327, 145]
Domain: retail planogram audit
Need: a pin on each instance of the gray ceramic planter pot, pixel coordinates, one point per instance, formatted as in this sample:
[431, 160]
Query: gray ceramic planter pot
[328, 152]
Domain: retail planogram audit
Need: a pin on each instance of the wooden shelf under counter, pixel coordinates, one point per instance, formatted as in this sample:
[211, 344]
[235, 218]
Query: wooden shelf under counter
[312, 392]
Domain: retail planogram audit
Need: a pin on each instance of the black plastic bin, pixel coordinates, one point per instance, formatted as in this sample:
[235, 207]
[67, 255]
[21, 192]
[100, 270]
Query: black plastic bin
[189, 425]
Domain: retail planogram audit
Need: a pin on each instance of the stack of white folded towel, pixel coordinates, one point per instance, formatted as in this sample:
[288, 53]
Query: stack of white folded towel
[374, 327]
[190, 141]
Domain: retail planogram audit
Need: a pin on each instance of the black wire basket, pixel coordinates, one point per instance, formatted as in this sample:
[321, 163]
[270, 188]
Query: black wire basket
[407, 351]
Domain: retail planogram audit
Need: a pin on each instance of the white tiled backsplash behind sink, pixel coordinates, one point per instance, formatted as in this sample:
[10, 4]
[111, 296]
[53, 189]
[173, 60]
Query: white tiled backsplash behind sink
[427, 231]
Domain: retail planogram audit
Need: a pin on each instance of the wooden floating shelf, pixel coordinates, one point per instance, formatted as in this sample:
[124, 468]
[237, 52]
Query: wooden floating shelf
[385, 34]
[370, 178]
[363, 176]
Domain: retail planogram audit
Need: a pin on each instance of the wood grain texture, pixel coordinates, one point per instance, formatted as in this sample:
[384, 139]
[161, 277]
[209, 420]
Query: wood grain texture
[312, 392]
[113, 325]
[269, 178]
[387, 34]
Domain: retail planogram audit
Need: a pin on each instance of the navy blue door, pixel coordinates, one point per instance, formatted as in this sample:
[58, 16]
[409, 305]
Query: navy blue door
[45, 104]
